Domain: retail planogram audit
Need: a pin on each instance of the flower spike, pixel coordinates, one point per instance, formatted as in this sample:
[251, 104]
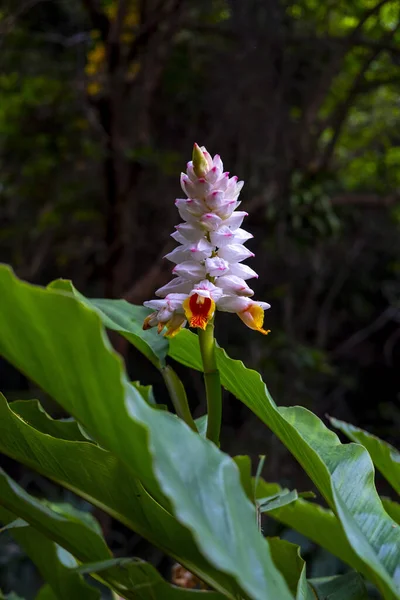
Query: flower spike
[208, 272]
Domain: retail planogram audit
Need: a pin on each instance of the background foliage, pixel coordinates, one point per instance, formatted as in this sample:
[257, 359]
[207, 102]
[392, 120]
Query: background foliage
[100, 102]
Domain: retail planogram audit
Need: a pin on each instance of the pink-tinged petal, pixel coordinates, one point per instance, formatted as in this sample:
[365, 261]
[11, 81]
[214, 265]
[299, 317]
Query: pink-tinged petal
[216, 266]
[200, 250]
[190, 209]
[222, 237]
[179, 254]
[210, 221]
[191, 232]
[235, 253]
[213, 175]
[155, 304]
[222, 183]
[178, 237]
[190, 172]
[207, 289]
[233, 188]
[178, 285]
[218, 162]
[233, 304]
[241, 236]
[242, 271]
[226, 210]
[215, 200]
[201, 189]
[232, 284]
[190, 270]
[184, 183]
[175, 301]
[236, 219]
[164, 314]
[206, 155]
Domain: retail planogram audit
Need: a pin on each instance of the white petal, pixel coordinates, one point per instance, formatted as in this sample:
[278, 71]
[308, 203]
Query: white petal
[226, 210]
[175, 301]
[213, 175]
[200, 250]
[264, 305]
[195, 251]
[176, 285]
[178, 254]
[155, 304]
[222, 182]
[165, 314]
[234, 252]
[233, 303]
[190, 270]
[190, 172]
[233, 188]
[218, 162]
[210, 221]
[241, 236]
[235, 220]
[207, 156]
[190, 209]
[232, 284]
[215, 200]
[207, 289]
[178, 237]
[195, 189]
[222, 237]
[242, 271]
[216, 266]
[188, 231]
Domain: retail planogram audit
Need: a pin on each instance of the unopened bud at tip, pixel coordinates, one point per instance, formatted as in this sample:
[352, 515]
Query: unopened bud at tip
[200, 164]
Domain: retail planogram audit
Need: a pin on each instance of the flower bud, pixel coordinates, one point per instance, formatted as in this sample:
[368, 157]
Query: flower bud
[200, 164]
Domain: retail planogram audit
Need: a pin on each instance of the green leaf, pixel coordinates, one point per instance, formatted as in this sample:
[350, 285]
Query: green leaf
[184, 472]
[392, 508]
[103, 480]
[278, 500]
[16, 524]
[288, 559]
[46, 593]
[53, 562]
[32, 412]
[125, 318]
[340, 587]
[134, 581]
[311, 520]
[244, 466]
[384, 456]
[10, 596]
[342, 472]
[98, 567]
[146, 391]
[201, 424]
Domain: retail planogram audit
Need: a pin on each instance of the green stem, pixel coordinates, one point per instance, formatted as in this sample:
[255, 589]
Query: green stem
[212, 382]
[178, 396]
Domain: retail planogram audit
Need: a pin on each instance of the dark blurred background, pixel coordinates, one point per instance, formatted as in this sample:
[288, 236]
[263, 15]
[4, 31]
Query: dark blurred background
[100, 103]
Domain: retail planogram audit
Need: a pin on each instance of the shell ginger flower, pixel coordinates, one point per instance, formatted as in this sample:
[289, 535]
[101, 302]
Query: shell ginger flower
[208, 272]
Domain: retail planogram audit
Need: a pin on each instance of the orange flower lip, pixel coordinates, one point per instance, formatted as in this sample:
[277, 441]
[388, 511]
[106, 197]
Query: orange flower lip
[199, 310]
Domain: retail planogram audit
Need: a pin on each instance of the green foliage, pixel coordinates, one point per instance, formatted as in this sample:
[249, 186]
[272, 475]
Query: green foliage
[385, 457]
[334, 468]
[142, 479]
[143, 438]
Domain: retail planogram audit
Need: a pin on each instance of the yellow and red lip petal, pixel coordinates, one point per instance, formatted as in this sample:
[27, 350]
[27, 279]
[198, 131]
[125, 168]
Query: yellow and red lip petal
[199, 310]
[253, 317]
